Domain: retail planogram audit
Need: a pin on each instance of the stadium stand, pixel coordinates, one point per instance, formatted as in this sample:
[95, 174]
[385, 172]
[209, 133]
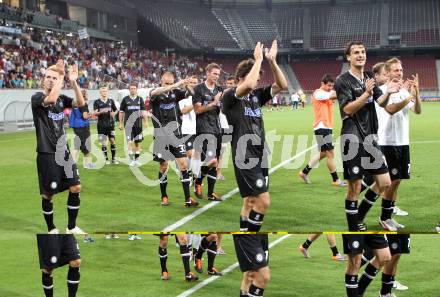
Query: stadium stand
[309, 73]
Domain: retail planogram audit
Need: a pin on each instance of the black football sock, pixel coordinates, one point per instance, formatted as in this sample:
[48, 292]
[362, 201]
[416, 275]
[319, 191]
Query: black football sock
[243, 224]
[163, 179]
[204, 244]
[255, 220]
[307, 243]
[212, 178]
[203, 171]
[351, 213]
[255, 291]
[47, 206]
[73, 203]
[113, 150]
[163, 256]
[104, 151]
[368, 201]
[351, 285]
[73, 281]
[334, 176]
[367, 256]
[366, 278]
[387, 284]
[136, 155]
[334, 249]
[212, 252]
[185, 184]
[367, 182]
[185, 254]
[387, 210]
[243, 293]
[47, 282]
[307, 169]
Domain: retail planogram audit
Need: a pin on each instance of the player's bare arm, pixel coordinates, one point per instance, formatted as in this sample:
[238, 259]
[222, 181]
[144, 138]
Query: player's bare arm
[166, 89]
[251, 80]
[73, 77]
[280, 81]
[392, 87]
[199, 108]
[415, 91]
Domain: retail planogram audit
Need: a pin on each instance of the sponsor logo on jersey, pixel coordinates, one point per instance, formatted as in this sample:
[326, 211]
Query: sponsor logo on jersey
[55, 116]
[133, 107]
[252, 112]
[167, 105]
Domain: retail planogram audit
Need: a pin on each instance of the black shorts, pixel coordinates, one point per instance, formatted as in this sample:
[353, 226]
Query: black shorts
[324, 139]
[252, 251]
[56, 250]
[83, 141]
[399, 243]
[105, 132]
[54, 178]
[398, 161]
[357, 243]
[253, 181]
[134, 135]
[209, 146]
[363, 161]
[166, 149]
[189, 143]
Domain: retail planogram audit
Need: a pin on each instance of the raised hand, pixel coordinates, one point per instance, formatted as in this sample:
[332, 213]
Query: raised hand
[60, 67]
[271, 54]
[258, 51]
[369, 85]
[73, 73]
[394, 86]
[415, 86]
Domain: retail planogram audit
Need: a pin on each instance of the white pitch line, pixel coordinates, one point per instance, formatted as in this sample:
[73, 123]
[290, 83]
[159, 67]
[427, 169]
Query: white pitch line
[224, 272]
[228, 195]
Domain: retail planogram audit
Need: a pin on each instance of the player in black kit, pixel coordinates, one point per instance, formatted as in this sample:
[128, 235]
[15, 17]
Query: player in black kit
[131, 113]
[169, 143]
[57, 171]
[206, 101]
[356, 91]
[105, 109]
[243, 108]
[57, 250]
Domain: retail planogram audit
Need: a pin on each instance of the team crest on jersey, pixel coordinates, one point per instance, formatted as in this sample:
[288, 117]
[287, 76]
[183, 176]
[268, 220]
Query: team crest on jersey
[355, 244]
[259, 183]
[173, 96]
[394, 171]
[355, 170]
[259, 257]
[255, 99]
[53, 259]
[53, 185]
[61, 104]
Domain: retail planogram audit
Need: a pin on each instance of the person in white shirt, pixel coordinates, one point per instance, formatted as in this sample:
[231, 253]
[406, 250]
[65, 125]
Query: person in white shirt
[393, 139]
[189, 127]
[295, 100]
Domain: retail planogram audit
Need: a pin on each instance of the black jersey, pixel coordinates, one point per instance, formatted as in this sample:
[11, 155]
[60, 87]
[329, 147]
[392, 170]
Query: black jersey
[207, 122]
[105, 119]
[133, 106]
[246, 116]
[364, 121]
[165, 109]
[49, 122]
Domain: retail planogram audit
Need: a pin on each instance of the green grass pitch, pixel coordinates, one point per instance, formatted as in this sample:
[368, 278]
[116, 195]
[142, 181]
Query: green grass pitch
[115, 268]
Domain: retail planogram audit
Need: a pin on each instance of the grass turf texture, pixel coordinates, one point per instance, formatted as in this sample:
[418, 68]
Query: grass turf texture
[113, 199]
[114, 268]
